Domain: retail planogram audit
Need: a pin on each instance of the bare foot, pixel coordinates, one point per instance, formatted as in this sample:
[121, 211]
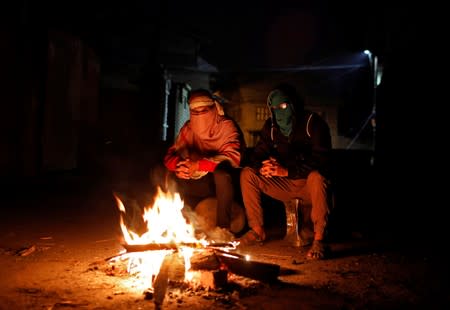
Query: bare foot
[317, 251]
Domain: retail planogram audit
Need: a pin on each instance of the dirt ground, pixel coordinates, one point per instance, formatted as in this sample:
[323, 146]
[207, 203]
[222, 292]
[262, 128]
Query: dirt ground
[55, 239]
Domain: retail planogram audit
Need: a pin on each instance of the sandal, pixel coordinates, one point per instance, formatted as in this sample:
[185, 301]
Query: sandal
[251, 237]
[317, 251]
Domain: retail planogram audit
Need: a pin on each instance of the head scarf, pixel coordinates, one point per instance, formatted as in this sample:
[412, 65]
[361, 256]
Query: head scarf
[202, 123]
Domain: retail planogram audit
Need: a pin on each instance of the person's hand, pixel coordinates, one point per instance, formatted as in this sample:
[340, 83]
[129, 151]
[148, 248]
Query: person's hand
[271, 168]
[182, 171]
[185, 168]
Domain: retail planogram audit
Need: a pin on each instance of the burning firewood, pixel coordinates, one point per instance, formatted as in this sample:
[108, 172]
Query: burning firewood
[213, 256]
[162, 281]
[173, 246]
[205, 260]
[237, 264]
[169, 249]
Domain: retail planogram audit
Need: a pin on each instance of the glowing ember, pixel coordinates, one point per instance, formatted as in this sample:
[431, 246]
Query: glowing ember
[165, 224]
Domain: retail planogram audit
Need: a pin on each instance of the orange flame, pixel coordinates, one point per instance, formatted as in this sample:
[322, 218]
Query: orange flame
[165, 224]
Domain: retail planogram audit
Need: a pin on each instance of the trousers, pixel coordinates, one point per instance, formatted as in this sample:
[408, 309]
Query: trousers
[313, 190]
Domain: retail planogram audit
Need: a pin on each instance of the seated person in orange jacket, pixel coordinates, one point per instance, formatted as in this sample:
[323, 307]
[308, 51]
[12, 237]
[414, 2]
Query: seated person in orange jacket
[205, 155]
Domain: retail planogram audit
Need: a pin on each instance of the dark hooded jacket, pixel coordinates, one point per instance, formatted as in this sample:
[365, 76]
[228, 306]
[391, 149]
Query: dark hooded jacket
[308, 146]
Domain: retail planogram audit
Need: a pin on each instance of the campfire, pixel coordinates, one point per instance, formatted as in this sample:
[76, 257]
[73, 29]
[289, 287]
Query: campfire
[171, 249]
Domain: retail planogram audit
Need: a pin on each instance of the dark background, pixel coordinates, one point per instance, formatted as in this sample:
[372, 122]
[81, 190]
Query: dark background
[402, 191]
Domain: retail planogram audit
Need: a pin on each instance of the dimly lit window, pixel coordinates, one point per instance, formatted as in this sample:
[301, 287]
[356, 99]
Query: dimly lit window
[262, 113]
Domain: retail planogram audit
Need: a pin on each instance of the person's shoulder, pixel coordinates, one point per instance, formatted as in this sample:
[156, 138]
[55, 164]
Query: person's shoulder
[315, 121]
[313, 116]
[185, 128]
[226, 119]
[186, 125]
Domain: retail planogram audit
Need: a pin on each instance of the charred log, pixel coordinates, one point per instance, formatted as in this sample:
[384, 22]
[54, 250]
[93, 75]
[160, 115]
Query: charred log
[173, 246]
[251, 269]
[205, 260]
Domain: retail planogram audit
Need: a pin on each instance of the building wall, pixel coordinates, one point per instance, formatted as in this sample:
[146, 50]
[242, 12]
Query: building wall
[247, 104]
[11, 100]
[71, 103]
[248, 107]
[49, 103]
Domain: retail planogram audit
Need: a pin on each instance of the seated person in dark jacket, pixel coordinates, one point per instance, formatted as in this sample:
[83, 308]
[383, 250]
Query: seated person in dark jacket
[290, 160]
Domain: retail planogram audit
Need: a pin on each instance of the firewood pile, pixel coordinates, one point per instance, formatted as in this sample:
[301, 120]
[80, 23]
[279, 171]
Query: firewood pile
[217, 273]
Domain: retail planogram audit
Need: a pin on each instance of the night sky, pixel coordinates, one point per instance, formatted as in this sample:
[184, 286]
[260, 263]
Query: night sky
[234, 34]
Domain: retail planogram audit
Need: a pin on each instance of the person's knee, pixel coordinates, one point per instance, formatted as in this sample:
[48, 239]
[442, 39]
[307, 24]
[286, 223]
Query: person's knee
[316, 179]
[222, 178]
[246, 173]
[221, 174]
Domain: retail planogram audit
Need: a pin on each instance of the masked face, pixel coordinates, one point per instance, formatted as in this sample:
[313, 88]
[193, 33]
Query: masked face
[202, 120]
[282, 111]
[284, 117]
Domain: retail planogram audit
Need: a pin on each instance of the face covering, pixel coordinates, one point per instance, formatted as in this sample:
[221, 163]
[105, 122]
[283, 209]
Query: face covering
[278, 100]
[202, 122]
[284, 119]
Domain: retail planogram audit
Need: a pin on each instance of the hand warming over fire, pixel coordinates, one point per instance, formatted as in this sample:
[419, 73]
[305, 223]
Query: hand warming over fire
[271, 168]
[185, 168]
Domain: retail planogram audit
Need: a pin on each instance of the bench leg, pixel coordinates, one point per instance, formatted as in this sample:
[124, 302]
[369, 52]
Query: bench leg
[297, 235]
[292, 235]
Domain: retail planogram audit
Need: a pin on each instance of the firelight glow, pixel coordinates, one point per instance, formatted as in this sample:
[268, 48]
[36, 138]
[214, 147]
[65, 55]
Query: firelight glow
[165, 225]
[165, 222]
